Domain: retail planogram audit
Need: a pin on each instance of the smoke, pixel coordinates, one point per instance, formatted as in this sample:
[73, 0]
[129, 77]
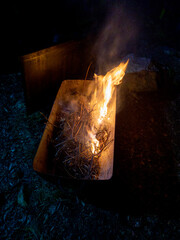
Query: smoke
[117, 38]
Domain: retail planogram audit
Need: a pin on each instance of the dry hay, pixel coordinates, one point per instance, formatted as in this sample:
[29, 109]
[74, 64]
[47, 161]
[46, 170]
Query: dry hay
[73, 146]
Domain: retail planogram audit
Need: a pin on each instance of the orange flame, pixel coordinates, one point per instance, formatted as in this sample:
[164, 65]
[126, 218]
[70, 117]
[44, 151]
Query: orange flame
[94, 143]
[102, 96]
[113, 77]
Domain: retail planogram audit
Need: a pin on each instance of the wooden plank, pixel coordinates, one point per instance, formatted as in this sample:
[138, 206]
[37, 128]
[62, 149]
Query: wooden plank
[44, 71]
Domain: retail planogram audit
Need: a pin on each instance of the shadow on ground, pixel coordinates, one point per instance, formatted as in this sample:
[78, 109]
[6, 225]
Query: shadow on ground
[145, 179]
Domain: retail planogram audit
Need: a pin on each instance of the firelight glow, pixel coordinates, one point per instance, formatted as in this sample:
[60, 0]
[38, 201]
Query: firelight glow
[94, 143]
[103, 93]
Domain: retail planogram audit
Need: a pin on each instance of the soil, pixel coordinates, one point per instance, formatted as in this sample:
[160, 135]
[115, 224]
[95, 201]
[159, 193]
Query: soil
[141, 201]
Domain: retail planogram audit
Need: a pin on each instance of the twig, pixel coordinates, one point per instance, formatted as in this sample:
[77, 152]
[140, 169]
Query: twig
[88, 70]
[91, 163]
[86, 75]
[48, 120]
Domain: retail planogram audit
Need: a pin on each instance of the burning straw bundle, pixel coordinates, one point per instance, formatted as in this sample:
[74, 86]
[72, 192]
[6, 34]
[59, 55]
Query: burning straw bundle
[84, 127]
[79, 156]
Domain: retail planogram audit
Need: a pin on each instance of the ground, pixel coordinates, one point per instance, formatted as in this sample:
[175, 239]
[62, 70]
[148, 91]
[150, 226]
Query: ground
[34, 207]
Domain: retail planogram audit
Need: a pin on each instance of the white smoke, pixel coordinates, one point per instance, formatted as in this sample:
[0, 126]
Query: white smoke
[117, 38]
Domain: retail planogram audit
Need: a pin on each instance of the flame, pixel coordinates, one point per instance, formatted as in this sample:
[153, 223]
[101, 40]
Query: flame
[94, 143]
[107, 97]
[102, 96]
[113, 77]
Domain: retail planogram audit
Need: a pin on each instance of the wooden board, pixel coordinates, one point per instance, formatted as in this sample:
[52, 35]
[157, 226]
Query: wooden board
[44, 71]
[43, 161]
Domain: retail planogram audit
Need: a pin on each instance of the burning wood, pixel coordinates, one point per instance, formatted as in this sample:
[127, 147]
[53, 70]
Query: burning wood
[84, 125]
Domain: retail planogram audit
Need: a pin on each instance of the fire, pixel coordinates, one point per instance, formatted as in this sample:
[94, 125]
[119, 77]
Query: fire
[101, 98]
[94, 143]
[113, 77]
[107, 97]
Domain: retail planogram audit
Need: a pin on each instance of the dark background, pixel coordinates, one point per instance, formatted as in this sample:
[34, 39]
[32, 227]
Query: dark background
[31, 25]
[143, 201]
